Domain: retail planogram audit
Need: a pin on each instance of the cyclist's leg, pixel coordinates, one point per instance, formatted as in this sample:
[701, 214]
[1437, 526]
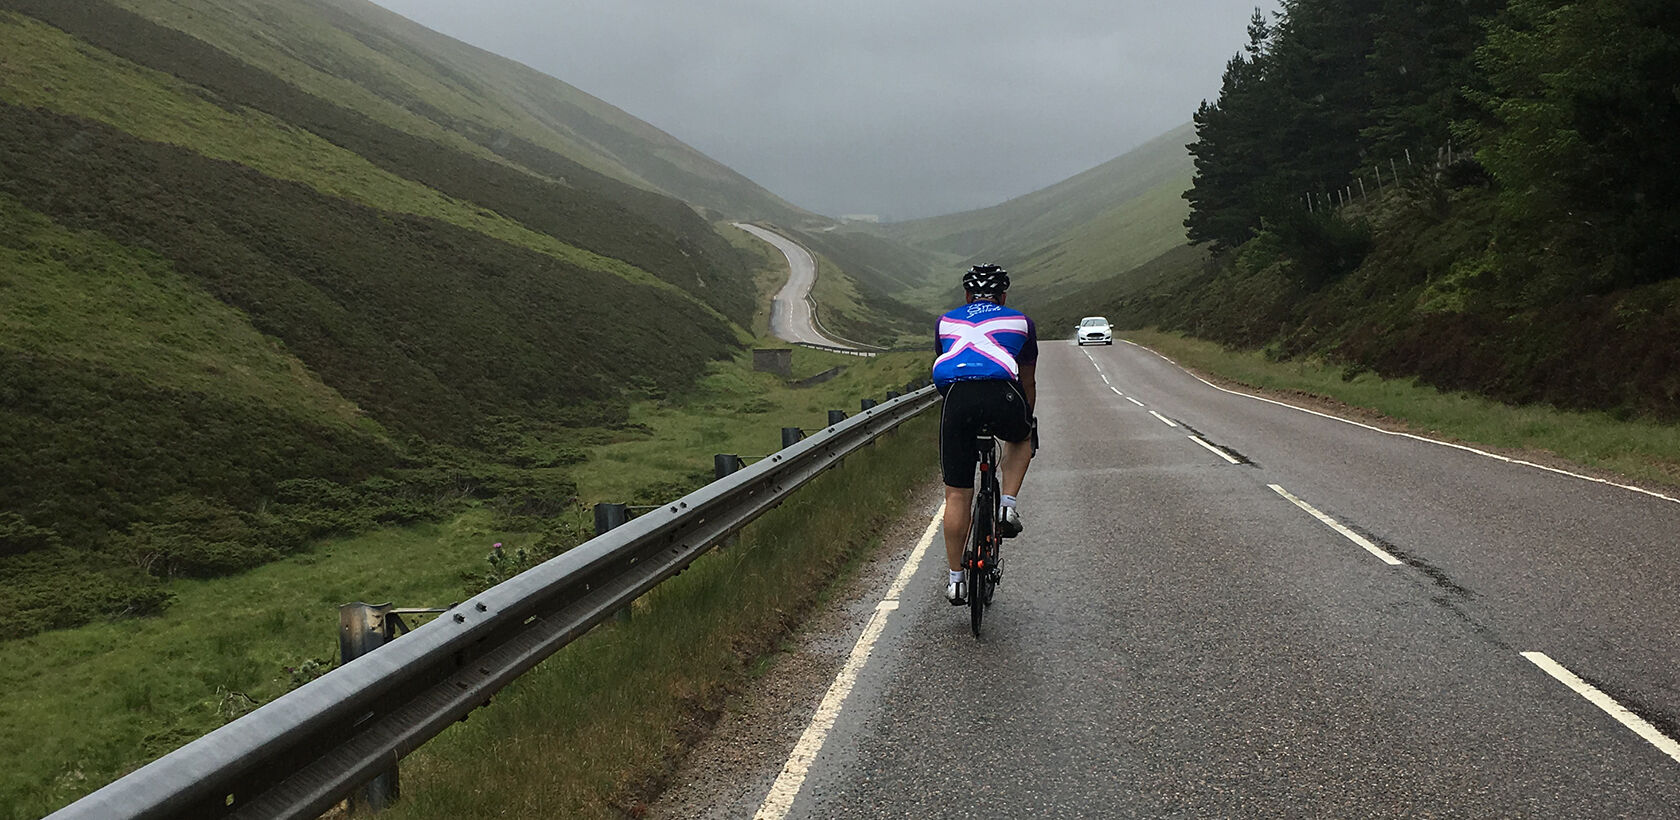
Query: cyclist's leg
[958, 500]
[1013, 472]
[956, 462]
[1015, 429]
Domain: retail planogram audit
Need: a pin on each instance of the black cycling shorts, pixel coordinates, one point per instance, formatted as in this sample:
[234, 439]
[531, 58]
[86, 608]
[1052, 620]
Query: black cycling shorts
[973, 409]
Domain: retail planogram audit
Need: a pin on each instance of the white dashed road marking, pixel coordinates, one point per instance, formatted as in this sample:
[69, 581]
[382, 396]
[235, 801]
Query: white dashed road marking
[1414, 436]
[1164, 419]
[1337, 526]
[1215, 450]
[1666, 744]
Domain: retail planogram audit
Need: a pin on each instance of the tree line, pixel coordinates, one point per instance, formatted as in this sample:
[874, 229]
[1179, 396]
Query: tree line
[1566, 111]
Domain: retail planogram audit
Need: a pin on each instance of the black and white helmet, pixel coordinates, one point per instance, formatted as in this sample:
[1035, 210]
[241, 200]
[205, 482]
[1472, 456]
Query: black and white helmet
[986, 280]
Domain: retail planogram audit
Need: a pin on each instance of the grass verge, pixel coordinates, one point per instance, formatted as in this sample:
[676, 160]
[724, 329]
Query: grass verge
[84, 706]
[1646, 452]
[593, 730]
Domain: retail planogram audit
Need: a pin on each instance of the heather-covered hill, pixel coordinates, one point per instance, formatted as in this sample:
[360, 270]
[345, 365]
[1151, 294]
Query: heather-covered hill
[278, 270]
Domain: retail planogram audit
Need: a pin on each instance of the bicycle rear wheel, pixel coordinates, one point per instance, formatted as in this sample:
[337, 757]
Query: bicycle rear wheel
[979, 577]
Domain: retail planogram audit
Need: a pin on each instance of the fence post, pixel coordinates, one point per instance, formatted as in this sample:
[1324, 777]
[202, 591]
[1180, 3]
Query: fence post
[607, 518]
[1362, 194]
[791, 436]
[363, 628]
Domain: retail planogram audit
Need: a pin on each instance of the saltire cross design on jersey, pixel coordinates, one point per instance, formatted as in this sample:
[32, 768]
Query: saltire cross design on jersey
[981, 338]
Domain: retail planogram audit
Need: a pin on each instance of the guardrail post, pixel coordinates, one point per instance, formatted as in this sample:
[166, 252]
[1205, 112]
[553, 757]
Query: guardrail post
[835, 417]
[868, 404]
[363, 628]
[724, 464]
[791, 436]
[892, 394]
[608, 517]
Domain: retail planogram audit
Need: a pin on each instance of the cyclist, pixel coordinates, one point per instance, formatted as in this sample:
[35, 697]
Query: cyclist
[988, 355]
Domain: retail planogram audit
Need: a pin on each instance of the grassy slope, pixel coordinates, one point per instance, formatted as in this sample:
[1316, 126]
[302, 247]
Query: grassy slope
[1122, 298]
[1081, 230]
[423, 83]
[68, 77]
[79, 296]
[568, 201]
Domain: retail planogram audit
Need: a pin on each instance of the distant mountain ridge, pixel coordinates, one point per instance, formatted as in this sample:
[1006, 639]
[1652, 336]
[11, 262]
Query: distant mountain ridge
[1082, 230]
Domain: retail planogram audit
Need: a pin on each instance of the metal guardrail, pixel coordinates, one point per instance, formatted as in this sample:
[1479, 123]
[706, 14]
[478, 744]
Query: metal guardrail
[300, 754]
[867, 354]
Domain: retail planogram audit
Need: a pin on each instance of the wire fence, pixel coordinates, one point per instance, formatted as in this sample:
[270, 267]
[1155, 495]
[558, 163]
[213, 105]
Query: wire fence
[1326, 201]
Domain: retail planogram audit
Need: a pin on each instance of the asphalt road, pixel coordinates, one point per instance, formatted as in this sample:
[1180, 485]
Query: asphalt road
[790, 313]
[1176, 638]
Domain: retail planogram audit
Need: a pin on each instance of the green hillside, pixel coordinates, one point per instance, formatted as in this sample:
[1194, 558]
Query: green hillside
[409, 78]
[1084, 229]
[272, 271]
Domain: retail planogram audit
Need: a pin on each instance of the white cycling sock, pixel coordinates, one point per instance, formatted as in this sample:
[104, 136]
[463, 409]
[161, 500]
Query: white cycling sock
[956, 576]
[1007, 500]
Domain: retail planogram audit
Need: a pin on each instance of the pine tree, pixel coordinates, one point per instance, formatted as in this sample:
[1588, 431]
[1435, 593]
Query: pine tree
[1583, 132]
[1231, 148]
[1418, 71]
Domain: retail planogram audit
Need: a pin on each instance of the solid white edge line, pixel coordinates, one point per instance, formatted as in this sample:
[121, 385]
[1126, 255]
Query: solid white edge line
[1164, 419]
[1337, 526]
[1594, 695]
[1117, 391]
[1215, 450]
[1134, 401]
[786, 788]
[1496, 456]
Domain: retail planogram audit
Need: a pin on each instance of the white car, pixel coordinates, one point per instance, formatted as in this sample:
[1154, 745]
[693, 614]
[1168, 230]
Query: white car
[1094, 330]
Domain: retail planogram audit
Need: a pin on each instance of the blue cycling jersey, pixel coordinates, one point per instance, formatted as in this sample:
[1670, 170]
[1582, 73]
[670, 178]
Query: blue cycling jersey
[984, 340]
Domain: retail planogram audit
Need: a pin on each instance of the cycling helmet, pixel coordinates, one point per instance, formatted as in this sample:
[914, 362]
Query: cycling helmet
[988, 280]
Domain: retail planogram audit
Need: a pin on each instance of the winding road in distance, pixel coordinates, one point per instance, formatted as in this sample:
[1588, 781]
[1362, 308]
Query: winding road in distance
[790, 313]
[1224, 606]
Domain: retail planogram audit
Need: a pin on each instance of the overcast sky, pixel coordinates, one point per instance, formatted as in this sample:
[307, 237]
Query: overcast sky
[901, 108]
